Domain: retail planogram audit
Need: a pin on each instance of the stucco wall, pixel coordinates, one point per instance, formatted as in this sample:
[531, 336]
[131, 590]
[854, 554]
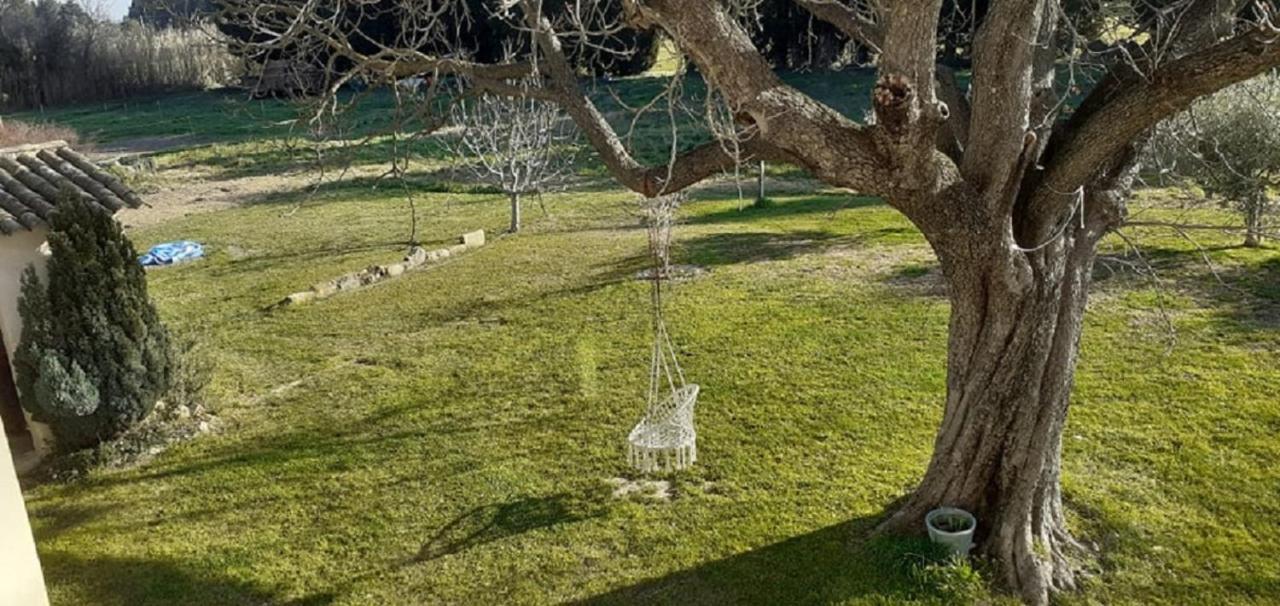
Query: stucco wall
[21, 583]
[17, 252]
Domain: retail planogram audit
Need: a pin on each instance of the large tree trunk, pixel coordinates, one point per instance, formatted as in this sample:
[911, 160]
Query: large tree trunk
[1015, 329]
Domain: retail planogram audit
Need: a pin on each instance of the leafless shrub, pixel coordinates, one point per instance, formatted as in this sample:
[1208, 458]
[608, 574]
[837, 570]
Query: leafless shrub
[520, 145]
[13, 133]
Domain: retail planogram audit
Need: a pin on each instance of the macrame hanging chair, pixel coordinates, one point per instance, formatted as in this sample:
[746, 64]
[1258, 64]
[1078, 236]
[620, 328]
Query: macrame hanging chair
[665, 439]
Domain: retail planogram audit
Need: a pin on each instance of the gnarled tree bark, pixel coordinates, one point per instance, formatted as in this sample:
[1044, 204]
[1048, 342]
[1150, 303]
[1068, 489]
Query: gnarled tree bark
[1016, 322]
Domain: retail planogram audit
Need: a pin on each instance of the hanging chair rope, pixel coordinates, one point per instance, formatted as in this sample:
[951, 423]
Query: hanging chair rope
[666, 437]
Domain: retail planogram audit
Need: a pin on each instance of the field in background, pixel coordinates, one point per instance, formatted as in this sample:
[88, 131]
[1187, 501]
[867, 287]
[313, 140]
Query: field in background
[451, 436]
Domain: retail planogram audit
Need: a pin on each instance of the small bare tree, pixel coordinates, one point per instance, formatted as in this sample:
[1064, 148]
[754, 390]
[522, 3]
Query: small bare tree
[518, 144]
[1229, 144]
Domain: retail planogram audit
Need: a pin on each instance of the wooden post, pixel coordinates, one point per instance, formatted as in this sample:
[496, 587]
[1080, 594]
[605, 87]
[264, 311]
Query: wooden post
[760, 196]
[515, 213]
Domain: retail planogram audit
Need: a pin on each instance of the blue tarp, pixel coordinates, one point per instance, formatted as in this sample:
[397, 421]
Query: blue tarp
[172, 252]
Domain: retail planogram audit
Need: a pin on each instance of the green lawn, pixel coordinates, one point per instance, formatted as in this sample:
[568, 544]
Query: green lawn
[449, 437]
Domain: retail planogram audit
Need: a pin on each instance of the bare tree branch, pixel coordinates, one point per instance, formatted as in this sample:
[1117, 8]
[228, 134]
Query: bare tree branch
[1090, 137]
[860, 23]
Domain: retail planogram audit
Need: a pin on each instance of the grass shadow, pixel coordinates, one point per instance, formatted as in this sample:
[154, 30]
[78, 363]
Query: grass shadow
[753, 247]
[490, 523]
[1244, 293]
[808, 205]
[143, 582]
[835, 564]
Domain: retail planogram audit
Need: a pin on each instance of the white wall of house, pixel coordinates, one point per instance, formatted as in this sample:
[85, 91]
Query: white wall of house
[21, 582]
[17, 252]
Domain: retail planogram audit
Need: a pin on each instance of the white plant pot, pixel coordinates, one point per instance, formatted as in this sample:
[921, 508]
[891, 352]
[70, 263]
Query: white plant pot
[958, 542]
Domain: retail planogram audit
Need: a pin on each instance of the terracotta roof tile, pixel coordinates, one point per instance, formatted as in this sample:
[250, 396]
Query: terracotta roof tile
[32, 178]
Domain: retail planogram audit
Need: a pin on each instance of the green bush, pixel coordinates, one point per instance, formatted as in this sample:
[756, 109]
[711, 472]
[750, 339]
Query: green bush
[94, 357]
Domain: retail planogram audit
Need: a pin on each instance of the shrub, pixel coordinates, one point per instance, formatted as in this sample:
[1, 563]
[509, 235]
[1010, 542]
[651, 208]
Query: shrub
[94, 357]
[1228, 144]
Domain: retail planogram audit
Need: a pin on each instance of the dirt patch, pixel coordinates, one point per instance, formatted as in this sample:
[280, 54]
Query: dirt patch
[178, 196]
[675, 272]
[918, 279]
[655, 491]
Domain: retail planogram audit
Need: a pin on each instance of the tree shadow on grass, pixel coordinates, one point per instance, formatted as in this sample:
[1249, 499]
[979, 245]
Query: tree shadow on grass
[716, 249]
[830, 565]
[1244, 294]
[257, 263]
[51, 522]
[417, 183]
[754, 247]
[143, 582]
[494, 522]
[829, 204]
[298, 154]
[1117, 540]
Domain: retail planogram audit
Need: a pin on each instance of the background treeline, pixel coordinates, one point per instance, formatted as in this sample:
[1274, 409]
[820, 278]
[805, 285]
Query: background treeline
[54, 52]
[172, 13]
[473, 31]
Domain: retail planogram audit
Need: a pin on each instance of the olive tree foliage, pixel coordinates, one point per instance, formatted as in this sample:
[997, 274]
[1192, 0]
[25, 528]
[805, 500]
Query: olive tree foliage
[1013, 178]
[1228, 144]
[520, 145]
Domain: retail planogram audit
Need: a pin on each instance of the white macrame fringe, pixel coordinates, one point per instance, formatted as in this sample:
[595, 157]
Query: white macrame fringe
[649, 460]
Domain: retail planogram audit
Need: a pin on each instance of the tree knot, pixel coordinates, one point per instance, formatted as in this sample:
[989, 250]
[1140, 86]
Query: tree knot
[894, 99]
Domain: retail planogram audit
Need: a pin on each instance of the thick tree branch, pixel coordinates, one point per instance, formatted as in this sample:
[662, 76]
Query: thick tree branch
[1092, 137]
[953, 137]
[910, 47]
[861, 26]
[682, 170]
[1004, 55]
[788, 121]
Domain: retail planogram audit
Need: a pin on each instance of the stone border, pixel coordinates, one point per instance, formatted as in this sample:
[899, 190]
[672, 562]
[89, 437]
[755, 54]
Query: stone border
[417, 258]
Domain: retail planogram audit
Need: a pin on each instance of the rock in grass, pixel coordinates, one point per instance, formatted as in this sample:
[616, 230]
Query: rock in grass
[298, 298]
[473, 239]
[417, 256]
[348, 282]
[324, 289]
